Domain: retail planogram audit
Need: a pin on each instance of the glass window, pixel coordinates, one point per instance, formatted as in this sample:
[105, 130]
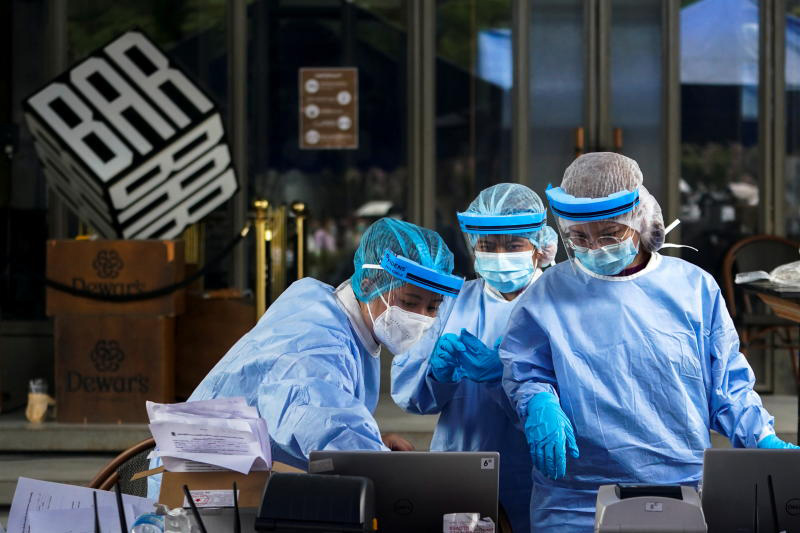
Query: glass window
[792, 196]
[193, 34]
[557, 88]
[473, 109]
[636, 87]
[345, 190]
[720, 179]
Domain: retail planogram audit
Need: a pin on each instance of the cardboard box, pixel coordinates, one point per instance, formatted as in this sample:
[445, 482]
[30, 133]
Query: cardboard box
[251, 486]
[116, 268]
[106, 367]
[205, 332]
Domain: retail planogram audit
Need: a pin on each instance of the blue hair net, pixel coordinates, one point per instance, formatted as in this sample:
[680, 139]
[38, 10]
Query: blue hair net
[512, 199]
[421, 245]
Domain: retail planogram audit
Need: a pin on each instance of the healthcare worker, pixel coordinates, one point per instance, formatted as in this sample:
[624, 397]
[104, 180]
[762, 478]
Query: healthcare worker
[458, 374]
[621, 360]
[311, 363]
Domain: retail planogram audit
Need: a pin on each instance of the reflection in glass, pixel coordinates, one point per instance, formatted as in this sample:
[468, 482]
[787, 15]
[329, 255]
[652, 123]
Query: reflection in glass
[719, 183]
[636, 87]
[473, 109]
[557, 88]
[192, 33]
[792, 196]
[345, 190]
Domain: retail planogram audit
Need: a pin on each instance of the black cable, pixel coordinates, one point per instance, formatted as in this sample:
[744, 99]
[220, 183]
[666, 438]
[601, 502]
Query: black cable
[155, 293]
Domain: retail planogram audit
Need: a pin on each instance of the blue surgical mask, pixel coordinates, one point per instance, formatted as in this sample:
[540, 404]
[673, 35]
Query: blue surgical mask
[608, 260]
[506, 272]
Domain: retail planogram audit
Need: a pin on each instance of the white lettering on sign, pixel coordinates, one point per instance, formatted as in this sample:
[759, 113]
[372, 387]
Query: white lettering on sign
[130, 143]
[85, 131]
[179, 186]
[135, 45]
[206, 200]
[122, 99]
[172, 158]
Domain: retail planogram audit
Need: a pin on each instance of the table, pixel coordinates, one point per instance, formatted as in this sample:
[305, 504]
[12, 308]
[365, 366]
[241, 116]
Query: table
[785, 303]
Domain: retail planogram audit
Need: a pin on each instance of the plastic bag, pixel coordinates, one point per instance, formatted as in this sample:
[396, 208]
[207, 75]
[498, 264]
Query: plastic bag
[788, 273]
[467, 523]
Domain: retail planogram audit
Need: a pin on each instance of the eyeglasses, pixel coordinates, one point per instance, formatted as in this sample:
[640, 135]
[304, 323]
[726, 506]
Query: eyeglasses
[583, 243]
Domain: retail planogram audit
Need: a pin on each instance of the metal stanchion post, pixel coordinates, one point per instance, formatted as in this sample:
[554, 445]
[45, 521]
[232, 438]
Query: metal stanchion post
[260, 224]
[278, 247]
[301, 213]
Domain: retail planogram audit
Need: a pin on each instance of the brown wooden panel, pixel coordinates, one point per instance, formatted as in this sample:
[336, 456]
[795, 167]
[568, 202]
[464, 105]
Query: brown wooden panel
[788, 309]
[205, 332]
[106, 367]
[115, 267]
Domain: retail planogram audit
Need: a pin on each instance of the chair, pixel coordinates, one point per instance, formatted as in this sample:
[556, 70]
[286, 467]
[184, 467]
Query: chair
[753, 319]
[123, 466]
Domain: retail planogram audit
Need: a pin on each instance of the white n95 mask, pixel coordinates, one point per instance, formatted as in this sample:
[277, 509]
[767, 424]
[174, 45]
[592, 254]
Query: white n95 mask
[398, 329]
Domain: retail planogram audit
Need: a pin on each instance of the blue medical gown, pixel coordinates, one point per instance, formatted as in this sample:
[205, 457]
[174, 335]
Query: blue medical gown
[306, 370]
[643, 366]
[474, 416]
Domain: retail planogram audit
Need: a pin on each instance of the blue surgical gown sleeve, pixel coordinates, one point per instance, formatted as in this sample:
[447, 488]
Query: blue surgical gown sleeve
[735, 408]
[527, 360]
[314, 407]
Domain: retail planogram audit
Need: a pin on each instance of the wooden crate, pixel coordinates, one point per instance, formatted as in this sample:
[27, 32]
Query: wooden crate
[205, 333]
[106, 367]
[115, 267]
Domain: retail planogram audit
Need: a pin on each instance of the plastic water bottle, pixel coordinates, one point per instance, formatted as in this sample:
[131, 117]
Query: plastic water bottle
[148, 523]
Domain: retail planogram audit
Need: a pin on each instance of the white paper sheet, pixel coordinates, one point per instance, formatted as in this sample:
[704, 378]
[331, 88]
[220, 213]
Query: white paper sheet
[79, 520]
[33, 495]
[223, 432]
[216, 445]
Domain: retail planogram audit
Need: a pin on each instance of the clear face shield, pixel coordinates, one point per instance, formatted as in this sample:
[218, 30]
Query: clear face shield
[501, 248]
[415, 307]
[599, 235]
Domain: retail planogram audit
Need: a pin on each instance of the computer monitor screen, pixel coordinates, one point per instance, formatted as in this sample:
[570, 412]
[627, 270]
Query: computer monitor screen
[742, 488]
[413, 490]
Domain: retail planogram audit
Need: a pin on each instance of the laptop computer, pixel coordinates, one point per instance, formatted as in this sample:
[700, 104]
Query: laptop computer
[413, 490]
[751, 490]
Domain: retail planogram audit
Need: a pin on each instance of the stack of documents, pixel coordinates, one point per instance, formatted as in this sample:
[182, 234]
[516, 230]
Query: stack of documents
[44, 507]
[219, 434]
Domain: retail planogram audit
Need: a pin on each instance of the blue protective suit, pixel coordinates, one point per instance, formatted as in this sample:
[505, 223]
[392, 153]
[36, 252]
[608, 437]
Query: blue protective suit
[644, 366]
[474, 416]
[307, 370]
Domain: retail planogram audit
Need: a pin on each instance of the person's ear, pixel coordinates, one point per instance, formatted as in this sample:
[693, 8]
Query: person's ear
[366, 285]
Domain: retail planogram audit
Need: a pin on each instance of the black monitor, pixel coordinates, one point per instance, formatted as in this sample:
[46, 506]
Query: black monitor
[751, 490]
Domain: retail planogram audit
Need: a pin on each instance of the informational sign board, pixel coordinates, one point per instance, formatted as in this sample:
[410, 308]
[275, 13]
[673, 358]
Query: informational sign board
[328, 108]
[130, 143]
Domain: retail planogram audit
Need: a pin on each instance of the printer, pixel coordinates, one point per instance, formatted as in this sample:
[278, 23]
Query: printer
[625, 508]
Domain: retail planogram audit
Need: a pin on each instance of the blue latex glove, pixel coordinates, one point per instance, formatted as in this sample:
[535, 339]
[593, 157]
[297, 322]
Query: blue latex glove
[444, 363]
[772, 442]
[480, 363]
[550, 435]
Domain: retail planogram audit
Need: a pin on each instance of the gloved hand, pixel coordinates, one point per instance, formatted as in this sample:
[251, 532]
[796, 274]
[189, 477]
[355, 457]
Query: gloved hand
[444, 363]
[396, 443]
[550, 435]
[479, 362]
[772, 442]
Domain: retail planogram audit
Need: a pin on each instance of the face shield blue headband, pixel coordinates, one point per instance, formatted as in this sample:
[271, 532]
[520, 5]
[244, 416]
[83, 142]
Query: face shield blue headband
[397, 328]
[507, 272]
[610, 254]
